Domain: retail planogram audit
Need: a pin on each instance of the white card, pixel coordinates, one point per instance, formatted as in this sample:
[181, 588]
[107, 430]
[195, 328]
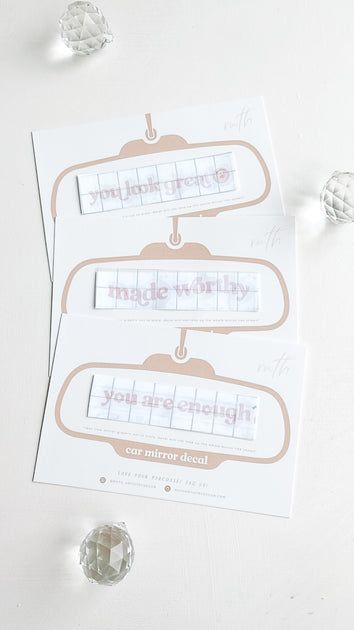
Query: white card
[202, 160]
[234, 274]
[125, 414]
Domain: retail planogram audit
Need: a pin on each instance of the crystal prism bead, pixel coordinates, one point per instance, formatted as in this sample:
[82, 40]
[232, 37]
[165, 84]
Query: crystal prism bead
[337, 198]
[107, 554]
[84, 29]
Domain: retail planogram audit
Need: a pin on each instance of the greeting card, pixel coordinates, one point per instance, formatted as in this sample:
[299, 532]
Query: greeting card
[192, 416]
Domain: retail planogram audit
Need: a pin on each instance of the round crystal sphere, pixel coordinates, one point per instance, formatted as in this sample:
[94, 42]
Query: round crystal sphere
[337, 198]
[84, 28]
[107, 554]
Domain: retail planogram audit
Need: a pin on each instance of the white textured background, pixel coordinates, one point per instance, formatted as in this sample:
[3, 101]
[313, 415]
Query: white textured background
[195, 567]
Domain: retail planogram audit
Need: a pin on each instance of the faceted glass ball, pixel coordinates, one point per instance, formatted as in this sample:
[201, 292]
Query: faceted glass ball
[107, 554]
[84, 29]
[337, 198]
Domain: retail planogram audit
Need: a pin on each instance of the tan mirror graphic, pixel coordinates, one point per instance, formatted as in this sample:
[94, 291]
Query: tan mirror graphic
[163, 256]
[166, 174]
[225, 418]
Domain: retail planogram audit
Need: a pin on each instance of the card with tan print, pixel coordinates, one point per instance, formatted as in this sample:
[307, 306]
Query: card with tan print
[196, 161]
[224, 273]
[171, 414]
